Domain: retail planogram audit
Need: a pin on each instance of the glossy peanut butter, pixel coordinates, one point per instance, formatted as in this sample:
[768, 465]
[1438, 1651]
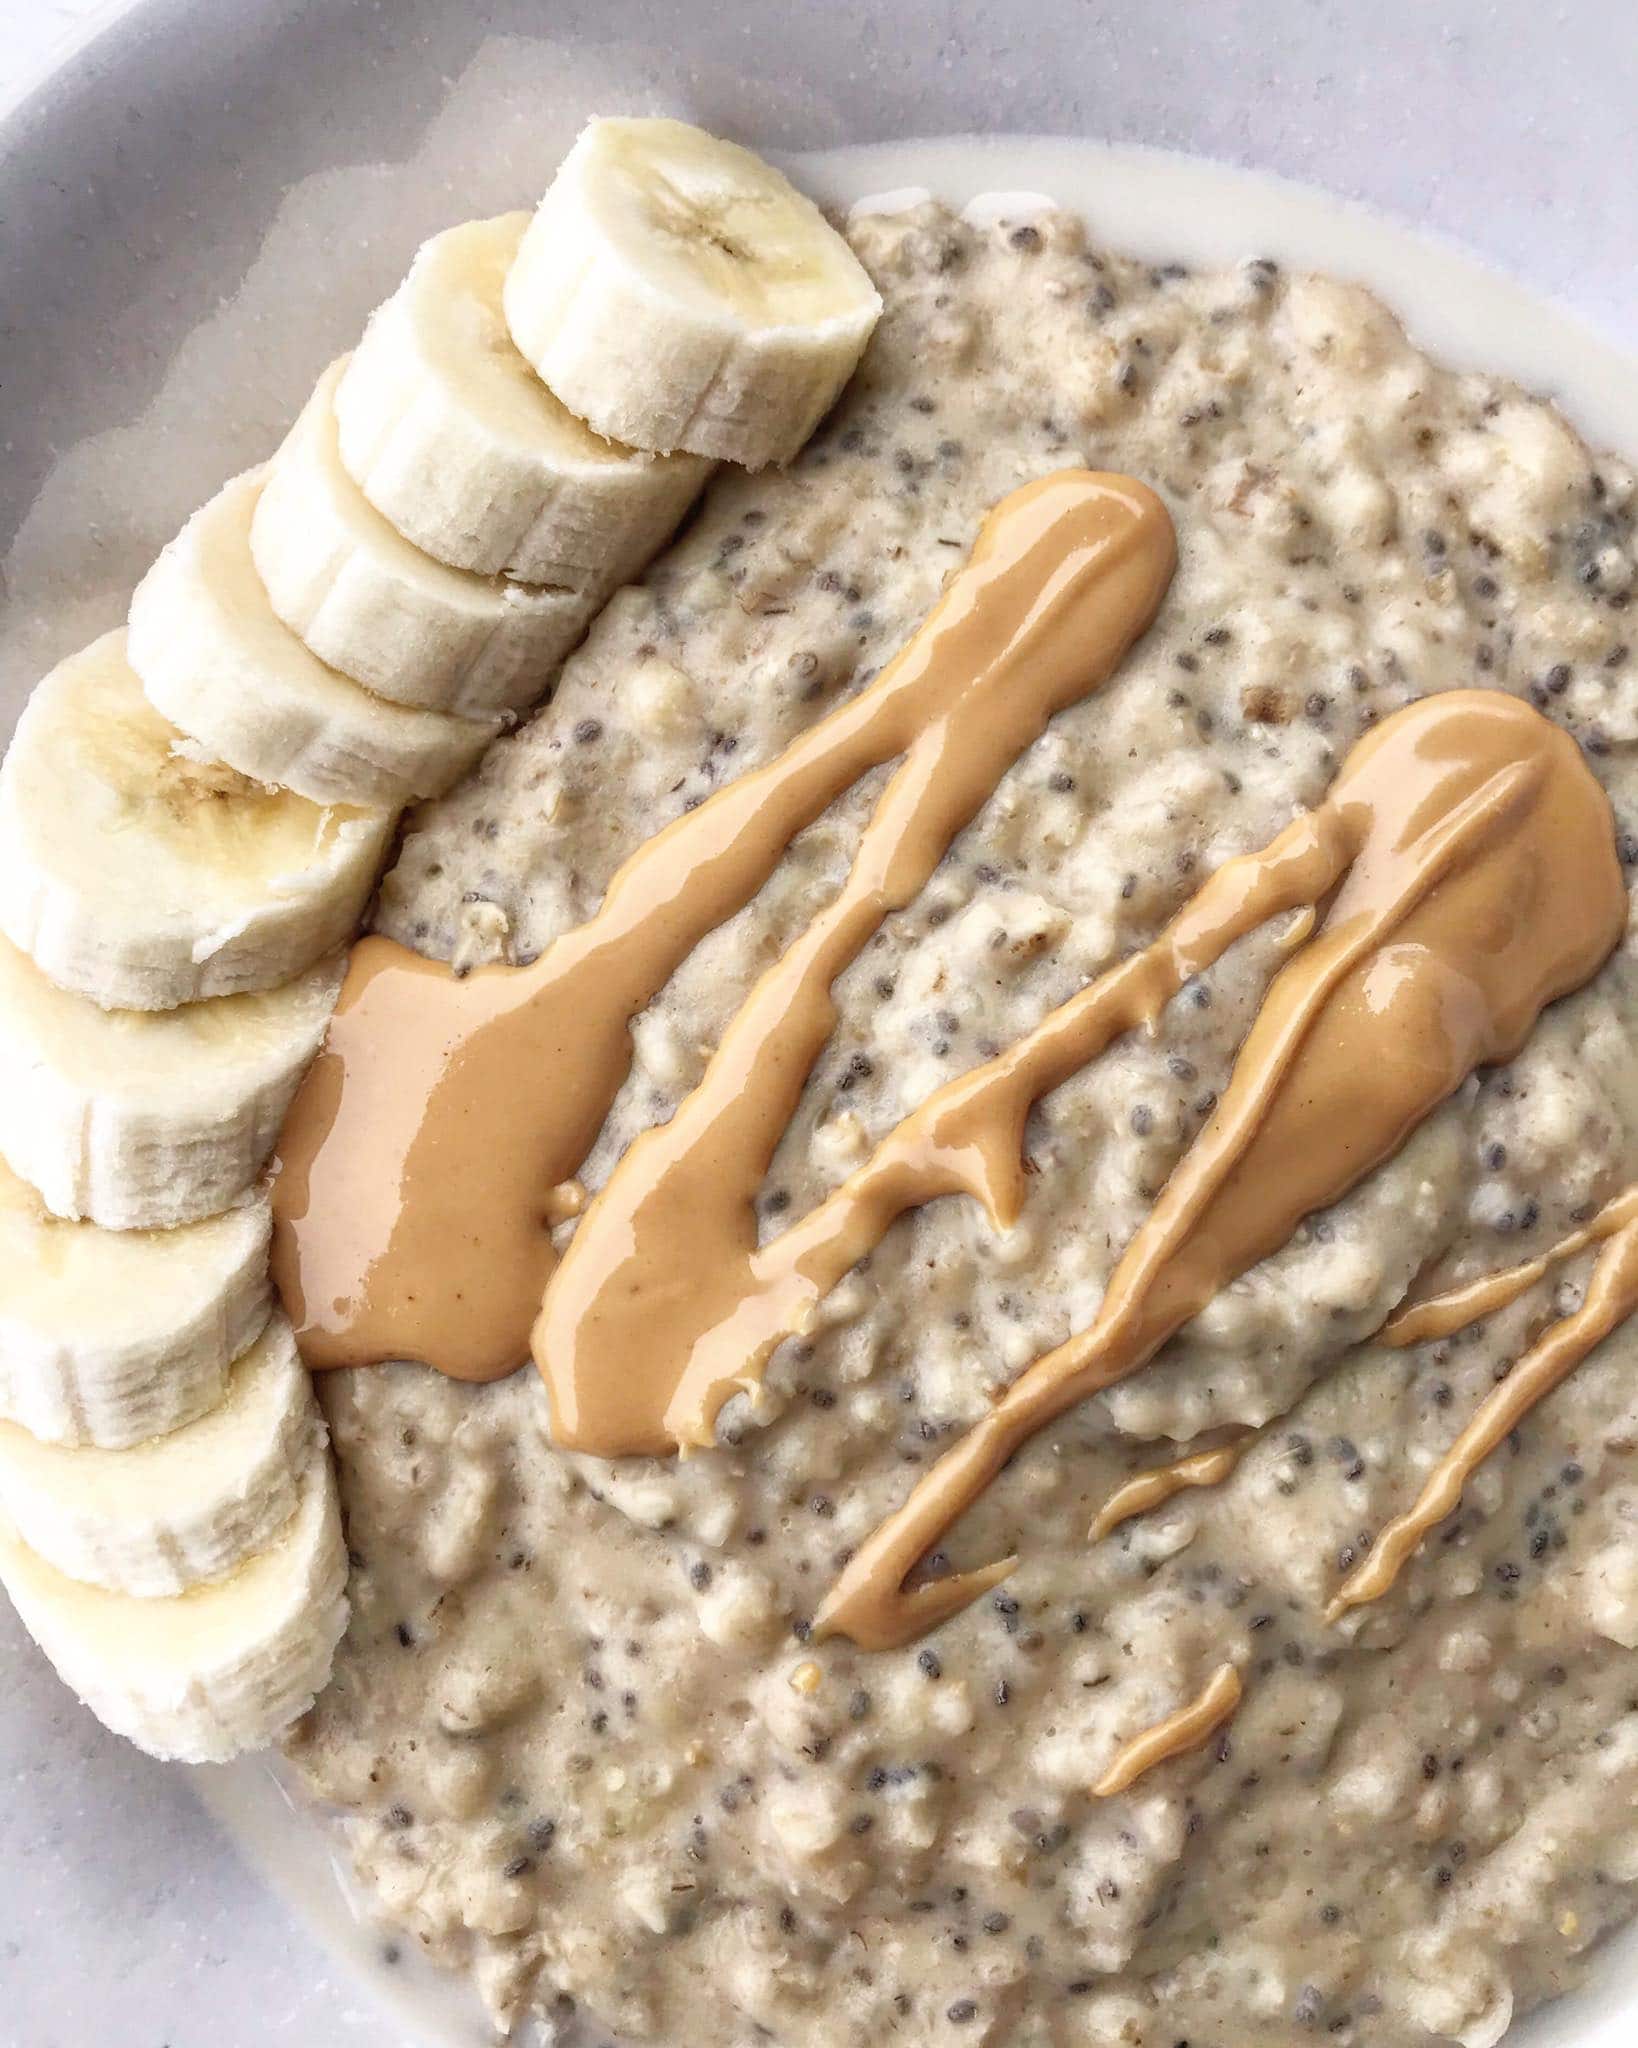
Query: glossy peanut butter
[1473, 880]
[412, 1205]
[710, 1320]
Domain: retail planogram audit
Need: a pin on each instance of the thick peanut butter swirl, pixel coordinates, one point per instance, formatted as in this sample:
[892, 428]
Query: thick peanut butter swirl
[417, 1166]
[1465, 861]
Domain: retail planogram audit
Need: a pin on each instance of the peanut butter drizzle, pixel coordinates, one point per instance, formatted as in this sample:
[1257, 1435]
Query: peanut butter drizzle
[662, 1305]
[1612, 1296]
[1179, 1732]
[1161, 1483]
[1441, 1315]
[412, 1204]
[728, 1304]
[1481, 883]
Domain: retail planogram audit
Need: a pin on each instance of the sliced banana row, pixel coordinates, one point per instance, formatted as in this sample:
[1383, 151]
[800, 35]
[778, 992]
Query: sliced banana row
[192, 817]
[163, 1449]
[168, 1529]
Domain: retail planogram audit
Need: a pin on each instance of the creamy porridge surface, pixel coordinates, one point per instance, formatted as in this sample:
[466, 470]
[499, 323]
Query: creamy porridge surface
[581, 1739]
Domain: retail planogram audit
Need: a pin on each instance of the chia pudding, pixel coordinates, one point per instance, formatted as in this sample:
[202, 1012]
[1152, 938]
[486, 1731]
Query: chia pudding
[582, 1741]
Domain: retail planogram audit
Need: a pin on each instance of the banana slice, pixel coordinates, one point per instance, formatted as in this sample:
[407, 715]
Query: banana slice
[181, 1509]
[111, 1337]
[374, 606]
[207, 1674]
[218, 662]
[144, 1119]
[139, 876]
[676, 292]
[450, 434]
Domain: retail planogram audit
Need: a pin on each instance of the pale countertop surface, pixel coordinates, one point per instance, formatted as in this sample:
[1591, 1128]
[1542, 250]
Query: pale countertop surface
[1506, 123]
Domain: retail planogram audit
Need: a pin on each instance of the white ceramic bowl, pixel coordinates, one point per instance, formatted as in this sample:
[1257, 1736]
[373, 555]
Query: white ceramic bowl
[200, 211]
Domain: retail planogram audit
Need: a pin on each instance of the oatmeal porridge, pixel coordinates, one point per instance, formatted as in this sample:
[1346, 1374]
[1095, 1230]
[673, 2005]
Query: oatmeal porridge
[587, 1737]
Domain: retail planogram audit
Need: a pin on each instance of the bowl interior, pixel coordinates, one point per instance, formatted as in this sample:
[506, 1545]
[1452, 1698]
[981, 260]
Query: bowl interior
[180, 310]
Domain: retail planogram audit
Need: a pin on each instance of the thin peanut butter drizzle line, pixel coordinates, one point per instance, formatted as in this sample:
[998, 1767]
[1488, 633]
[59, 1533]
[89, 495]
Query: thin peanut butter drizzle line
[1476, 882]
[1612, 1296]
[1178, 1733]
[1441, 1315]
[412, 1204]
[1161, 1483]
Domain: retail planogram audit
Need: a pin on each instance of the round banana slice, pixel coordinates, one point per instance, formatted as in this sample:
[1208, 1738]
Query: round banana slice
[138, 875]
[376, 607]
[220, 664]
[144, 1119]
[110, 1337]
[450, 434]
[208, 1674]
[178, 1510]
[676, 292]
